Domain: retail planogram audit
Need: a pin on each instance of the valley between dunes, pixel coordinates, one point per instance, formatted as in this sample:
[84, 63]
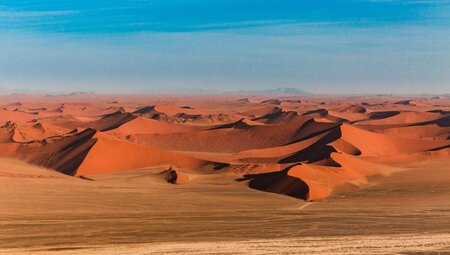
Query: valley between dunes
[106, 174]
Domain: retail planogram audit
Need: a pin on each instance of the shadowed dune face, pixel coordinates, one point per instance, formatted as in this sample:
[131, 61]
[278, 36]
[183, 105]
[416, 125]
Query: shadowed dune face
[308, 147]
[64, 154]
[279, 182]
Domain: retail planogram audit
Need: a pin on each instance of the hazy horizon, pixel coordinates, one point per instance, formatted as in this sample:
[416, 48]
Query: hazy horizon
[346, 47]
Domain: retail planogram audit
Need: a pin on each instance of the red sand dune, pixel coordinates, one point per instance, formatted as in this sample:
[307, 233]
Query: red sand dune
[110, 154]
[260, 112]
[308, 147]
[142, 125]
[400, 118]
[350, 108]
[38, 131]
[15, 116]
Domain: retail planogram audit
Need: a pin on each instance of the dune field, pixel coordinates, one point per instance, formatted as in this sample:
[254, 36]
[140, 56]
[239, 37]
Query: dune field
[109, 174]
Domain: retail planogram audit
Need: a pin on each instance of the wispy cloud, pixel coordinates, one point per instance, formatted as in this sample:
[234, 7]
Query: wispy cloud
[262, 23]
[411, 1]
[32, 14]
[196, 15]
[427, 2]
[242, 24]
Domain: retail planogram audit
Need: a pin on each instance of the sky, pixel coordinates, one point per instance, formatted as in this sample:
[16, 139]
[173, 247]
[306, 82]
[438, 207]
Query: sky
[140, 46]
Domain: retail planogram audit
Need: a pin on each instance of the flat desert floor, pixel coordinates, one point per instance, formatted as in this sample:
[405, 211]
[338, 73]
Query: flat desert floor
[106, 175]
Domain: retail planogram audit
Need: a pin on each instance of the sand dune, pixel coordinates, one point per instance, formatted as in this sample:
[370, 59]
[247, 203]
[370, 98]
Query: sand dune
[110, 154]
[350, 109]
[142, 125]
[233, 137]
[307, 148]
[373, 144]
[38, 131]
[430, 131]
[259, 112]
[15, 116]
[400, 118]
[91, 152]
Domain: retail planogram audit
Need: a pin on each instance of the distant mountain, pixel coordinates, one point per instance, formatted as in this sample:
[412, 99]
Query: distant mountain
[212, 91]
[73, 94]
[180, 91]
[277, 91]
[8, 91]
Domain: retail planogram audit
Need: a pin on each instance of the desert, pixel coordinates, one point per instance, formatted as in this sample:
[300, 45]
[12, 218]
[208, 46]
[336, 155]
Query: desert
[228, 127]
[233, 174]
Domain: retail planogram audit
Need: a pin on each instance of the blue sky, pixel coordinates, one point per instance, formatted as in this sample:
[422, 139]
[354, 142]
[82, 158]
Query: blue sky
[342, 46]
